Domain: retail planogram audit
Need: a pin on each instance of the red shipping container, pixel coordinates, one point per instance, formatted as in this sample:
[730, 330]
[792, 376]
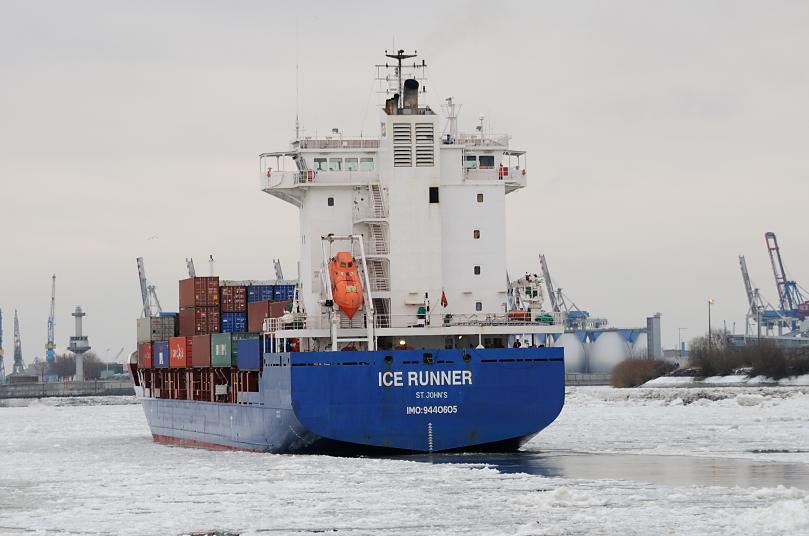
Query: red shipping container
[199, 292]
[144, 355]
[202, 351]
[233, 299]
[199, 321]
[258, 311]
[180, 352]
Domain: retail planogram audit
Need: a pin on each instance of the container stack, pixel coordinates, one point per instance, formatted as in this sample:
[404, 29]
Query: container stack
[218, 327]
[199, 306]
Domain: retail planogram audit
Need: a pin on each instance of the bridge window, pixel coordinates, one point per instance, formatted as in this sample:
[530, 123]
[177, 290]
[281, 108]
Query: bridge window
[320, 164]
[366, 164]
[470, 162]
[486, 162]
[335, 164]
[352, 164]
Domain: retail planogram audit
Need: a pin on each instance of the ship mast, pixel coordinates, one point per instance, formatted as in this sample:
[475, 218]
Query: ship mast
[399, 56]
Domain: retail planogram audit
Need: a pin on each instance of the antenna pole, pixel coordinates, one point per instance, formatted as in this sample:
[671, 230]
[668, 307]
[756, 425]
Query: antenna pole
[297, 84]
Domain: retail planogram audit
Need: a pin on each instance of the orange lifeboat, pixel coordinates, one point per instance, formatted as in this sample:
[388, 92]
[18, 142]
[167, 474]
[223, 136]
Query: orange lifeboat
[346, 288]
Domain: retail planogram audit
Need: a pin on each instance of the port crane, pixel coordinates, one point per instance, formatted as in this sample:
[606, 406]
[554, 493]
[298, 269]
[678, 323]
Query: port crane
[2, 364]
[575, 318]
[279, 273]
[793, 303]
[151, 305]
[18, 365]
[189, 263]
[50, 346]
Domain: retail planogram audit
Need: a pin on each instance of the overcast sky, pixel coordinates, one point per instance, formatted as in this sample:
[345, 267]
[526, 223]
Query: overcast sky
[663, 139]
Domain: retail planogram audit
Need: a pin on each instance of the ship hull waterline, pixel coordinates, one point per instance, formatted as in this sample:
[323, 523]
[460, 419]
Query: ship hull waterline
[348, 403]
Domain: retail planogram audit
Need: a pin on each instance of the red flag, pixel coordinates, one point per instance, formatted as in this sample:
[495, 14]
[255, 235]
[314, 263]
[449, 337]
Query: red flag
[444, 302]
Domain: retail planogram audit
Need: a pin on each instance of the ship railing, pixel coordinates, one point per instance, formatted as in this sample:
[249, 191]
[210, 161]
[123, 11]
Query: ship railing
[508, 174]
[271, 178]
[520, 318]
[337, 143]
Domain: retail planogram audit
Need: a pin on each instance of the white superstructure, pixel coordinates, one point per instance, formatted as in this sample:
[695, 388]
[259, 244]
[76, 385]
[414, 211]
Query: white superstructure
[430, 211]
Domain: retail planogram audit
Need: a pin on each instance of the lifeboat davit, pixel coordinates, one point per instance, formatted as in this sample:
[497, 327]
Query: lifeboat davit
[346, 287]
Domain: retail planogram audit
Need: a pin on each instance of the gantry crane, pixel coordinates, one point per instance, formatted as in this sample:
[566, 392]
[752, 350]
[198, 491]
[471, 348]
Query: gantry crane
[791, 300]
[189, 263]
[151, 305]
[50, 347]
[2, 364]
[575, 318]
[18, 365]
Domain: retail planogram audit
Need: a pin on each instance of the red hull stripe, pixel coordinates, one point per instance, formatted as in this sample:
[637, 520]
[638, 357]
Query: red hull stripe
[182, 442]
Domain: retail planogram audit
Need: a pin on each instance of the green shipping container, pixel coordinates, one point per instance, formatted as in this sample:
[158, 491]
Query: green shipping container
[221, 350]
[235, 338]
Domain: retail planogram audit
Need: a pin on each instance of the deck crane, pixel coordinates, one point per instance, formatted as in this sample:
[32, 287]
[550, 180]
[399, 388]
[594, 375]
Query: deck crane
[151, 305]
[792, 302]
[18, 365]
[2, 364]
[50, 346]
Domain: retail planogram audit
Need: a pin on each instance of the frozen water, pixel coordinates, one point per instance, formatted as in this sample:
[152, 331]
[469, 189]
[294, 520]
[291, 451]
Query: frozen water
[67, 466]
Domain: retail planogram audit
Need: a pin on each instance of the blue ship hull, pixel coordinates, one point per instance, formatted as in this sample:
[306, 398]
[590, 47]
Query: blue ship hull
[365, 402]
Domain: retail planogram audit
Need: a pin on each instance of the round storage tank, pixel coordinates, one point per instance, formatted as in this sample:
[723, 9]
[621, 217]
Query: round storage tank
[608, 350]
[640, 346]
[574, 352]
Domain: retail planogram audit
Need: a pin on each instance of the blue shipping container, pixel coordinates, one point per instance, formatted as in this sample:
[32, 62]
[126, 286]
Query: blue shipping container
[284, 292]
[167, 314]
[160, 355]
[249, 357]
[233, 322]
[260, 293]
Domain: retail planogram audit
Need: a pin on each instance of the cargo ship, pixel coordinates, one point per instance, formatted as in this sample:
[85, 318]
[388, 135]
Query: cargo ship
[402, 332]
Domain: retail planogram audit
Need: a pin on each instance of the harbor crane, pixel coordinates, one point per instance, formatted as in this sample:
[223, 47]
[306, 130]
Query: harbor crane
[279, 274]
[2, 364]
[18, 365]
[151, 305]
[50, 346]
[793, 303]
[575, 318]
[189, 263]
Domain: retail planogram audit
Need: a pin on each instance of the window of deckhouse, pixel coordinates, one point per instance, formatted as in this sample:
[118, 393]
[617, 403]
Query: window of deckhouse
[320, 164]
[352, 164]
[335, 164]
[486, 161]
[366, 164]
[470, 161]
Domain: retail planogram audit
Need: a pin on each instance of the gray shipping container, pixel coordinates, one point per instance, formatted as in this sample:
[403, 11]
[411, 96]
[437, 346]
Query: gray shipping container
[157, 328]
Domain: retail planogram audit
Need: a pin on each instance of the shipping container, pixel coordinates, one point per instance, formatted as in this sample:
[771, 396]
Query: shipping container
[180, 352]
[258, 311]
[283, 292]
[157, 328]
[201, 356]
[233, 299]
[248, 354]
[233, 322]
[235, 338]
[221, 350]
[160, 354]
[199, 292]
[145, 355]
[199, 321]
[260, 293]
